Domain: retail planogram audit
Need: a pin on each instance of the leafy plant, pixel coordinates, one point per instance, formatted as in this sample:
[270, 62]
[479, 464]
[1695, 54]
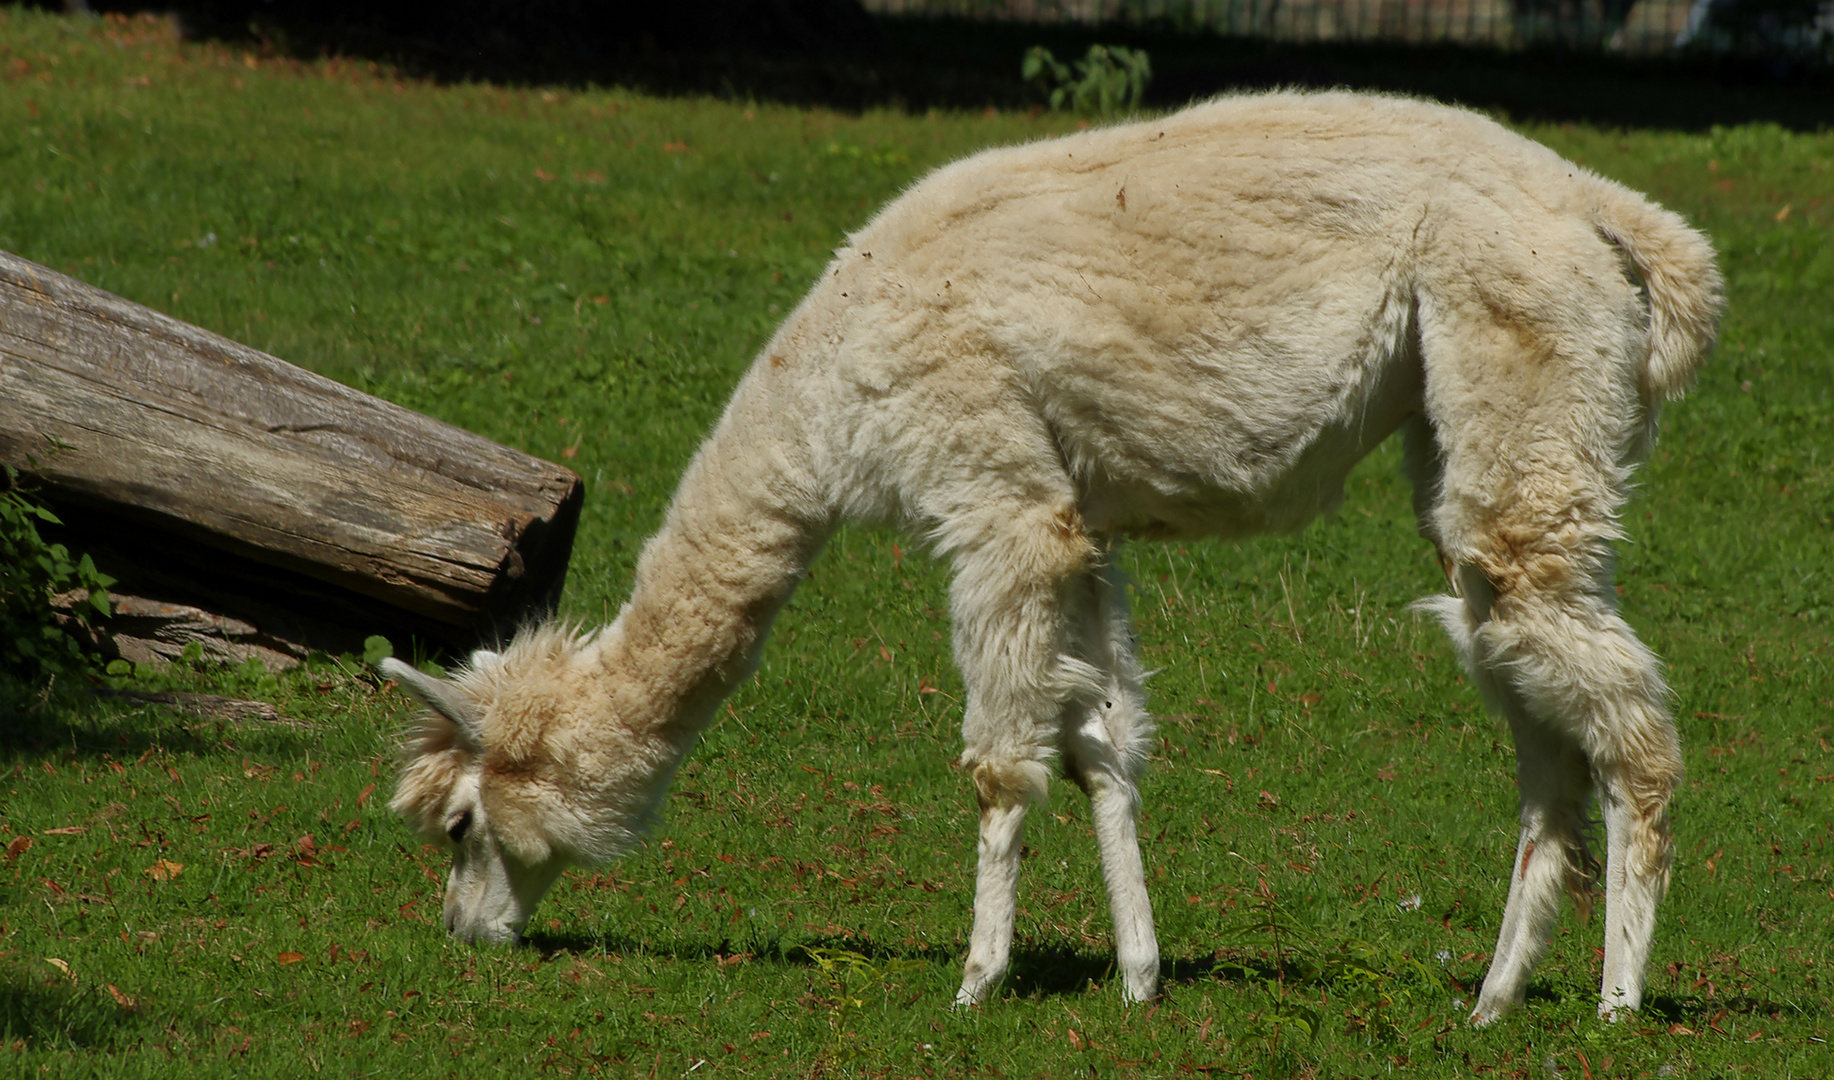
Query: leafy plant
[376, 649]
[1108, 80]
[36, 642]
[1352, 968]
[851, 976]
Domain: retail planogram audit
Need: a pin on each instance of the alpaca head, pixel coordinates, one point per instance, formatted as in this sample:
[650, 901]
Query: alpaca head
[510, 772]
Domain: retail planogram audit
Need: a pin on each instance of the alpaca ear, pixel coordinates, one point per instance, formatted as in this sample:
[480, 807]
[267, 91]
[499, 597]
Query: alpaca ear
[442, 696]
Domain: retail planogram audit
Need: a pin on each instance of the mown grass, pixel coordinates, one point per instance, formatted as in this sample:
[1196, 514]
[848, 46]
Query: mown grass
[1329, 819]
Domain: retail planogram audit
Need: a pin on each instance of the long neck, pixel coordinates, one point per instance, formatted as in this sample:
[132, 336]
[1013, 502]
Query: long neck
[745, 523]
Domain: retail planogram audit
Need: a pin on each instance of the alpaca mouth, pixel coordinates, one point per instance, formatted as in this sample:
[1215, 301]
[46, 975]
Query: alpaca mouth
[485, 933]
[480, 928]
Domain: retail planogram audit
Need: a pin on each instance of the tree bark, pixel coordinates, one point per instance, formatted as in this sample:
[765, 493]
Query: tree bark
[224, 477]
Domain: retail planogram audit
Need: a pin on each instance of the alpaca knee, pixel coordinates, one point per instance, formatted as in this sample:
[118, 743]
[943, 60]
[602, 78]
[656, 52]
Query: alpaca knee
[1006, 785]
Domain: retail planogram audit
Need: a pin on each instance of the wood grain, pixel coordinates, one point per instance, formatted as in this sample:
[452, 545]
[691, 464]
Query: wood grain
[157, 423]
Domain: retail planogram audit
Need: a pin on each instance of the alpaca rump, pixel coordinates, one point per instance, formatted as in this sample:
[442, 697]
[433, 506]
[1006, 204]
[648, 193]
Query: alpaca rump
[1189, 326]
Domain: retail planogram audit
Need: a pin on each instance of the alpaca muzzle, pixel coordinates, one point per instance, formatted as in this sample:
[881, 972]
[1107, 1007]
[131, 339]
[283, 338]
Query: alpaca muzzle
[482, 904]
[490, 898]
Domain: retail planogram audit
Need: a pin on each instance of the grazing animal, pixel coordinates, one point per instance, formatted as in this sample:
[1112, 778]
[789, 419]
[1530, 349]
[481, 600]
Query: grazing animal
[1188, 326]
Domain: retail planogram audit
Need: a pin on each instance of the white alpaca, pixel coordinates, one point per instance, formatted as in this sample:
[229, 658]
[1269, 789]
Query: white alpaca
[1194, 325]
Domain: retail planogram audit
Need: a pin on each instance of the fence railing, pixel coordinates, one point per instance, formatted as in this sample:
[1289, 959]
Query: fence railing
[1632, 27]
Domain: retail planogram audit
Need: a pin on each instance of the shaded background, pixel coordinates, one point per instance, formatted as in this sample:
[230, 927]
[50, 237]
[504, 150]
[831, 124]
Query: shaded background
[1687, 64]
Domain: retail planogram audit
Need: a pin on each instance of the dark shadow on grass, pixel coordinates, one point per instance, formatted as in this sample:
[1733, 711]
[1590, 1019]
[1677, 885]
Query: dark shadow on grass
[1700, 1012]
[75, 724]
[1055, 971]
[1695, 1011]
[59, 1014]
[918, 64]
[772, 950]
[1036, 971]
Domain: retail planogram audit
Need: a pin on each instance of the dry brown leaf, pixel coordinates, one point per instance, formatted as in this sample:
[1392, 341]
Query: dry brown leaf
[289, 958]
[164, 870]
[18, 847]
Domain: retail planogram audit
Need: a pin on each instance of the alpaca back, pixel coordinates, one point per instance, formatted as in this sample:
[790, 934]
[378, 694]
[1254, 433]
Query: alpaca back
[1210, 316]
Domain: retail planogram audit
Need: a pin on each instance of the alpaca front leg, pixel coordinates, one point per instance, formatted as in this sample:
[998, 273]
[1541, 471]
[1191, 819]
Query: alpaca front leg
[1105, 746]
[1007, 602]
[1136, 947]
[996, 891]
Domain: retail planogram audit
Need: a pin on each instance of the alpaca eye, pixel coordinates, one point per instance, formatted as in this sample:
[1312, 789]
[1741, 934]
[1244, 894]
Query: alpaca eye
[460, 824]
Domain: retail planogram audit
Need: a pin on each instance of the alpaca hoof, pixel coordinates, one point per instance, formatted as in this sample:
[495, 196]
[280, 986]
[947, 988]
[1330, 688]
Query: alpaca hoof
[1488, 1012]
[979, 980]
[1138, 988]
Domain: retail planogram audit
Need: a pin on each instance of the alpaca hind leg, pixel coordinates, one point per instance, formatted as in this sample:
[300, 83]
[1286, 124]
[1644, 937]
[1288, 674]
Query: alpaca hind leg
[1105, 745]
[1581, 671]
[1550, 858]
[1577, 686]
[1634, 799]
[1536, 414]
[1553, 781]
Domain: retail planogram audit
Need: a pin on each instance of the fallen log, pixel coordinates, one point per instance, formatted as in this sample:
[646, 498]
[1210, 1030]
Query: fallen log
[201, 472]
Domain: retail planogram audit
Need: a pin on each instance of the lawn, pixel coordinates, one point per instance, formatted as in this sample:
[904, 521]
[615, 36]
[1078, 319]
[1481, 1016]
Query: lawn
[584, 275]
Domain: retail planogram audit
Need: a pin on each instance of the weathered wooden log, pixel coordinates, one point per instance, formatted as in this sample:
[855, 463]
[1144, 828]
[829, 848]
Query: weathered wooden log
[202, 471]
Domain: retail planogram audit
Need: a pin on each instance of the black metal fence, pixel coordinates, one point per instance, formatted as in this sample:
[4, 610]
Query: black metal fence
[1795, 28]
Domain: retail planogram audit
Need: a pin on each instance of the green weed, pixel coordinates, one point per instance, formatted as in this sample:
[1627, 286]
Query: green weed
[37, 641]
[1109, 80]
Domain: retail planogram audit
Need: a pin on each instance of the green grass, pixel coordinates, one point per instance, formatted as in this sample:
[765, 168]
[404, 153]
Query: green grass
[592, 270]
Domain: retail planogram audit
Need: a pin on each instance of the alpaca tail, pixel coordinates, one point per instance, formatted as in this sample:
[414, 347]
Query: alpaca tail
[1679, 275]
